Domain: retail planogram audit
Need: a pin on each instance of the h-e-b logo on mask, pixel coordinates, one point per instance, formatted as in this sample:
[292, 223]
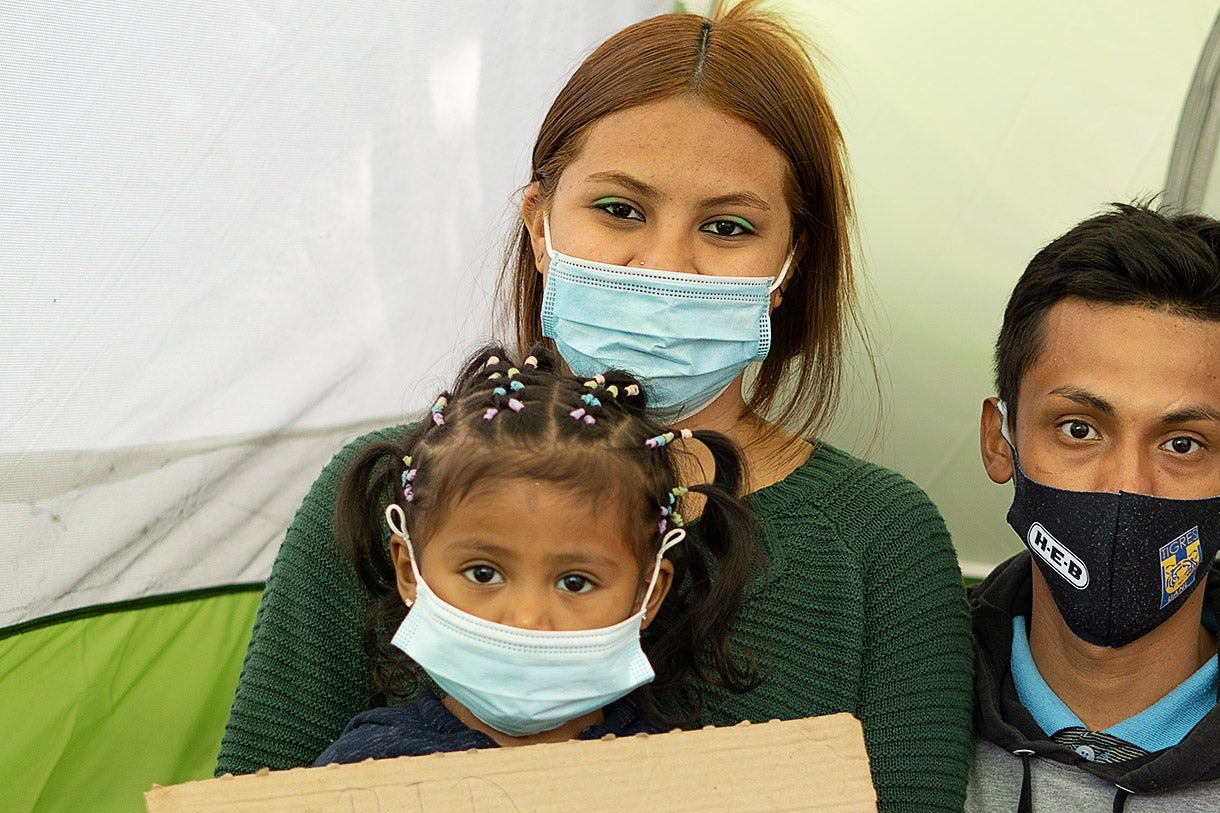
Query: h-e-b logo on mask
[1057, 555]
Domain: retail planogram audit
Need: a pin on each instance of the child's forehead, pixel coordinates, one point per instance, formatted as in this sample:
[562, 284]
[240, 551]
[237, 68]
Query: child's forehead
[529, 493]
[527, 512]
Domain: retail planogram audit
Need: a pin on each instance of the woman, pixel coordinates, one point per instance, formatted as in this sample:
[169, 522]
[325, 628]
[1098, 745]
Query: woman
[688, 214]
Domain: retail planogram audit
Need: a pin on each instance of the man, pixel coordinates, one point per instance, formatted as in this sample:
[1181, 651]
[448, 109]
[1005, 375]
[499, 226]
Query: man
[1096, 674]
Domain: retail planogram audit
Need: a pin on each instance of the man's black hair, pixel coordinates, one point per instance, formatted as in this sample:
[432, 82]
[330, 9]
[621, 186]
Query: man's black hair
[1132, 255]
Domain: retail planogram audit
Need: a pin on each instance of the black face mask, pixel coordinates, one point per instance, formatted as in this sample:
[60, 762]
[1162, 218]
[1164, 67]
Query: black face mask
[1117, 565]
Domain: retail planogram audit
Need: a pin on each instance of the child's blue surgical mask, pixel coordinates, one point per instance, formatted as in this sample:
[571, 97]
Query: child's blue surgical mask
[521, 681]
[685, 336]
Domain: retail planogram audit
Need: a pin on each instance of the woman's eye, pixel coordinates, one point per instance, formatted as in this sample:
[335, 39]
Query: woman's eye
[1181, 445]
[573, 583]
[1078, 430]
[618, 209]
[483, 574]
[732, 227]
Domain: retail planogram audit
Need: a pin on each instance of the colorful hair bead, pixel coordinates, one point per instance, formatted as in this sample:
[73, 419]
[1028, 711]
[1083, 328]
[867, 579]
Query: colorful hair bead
[613, 390]
[632, 390]
[494, 376]
[659, 441]
[499, 391]
[516, 386]
[408, 477]
[515, 405]
[490, 413]
[512, 371]
[530, 361]
[581, 415]
[491, 361]
[437, 409]
[668, 437]
[590, 399]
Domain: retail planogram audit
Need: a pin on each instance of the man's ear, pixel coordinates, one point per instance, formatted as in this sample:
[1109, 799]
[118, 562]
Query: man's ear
[402, 569]
[533, 208]
[665, 579]
[997, 454]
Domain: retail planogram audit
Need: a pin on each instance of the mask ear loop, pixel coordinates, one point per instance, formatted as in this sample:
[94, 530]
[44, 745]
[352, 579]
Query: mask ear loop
[546, 234]
[783, 272]
[671, 538]
[396, 518]
[1002, 408]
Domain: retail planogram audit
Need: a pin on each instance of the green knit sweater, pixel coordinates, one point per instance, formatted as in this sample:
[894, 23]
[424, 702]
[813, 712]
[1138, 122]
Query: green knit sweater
[863, 611]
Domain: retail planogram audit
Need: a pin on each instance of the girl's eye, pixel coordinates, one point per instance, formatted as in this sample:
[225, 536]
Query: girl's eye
[1181, 445]
[618, 209]
[574, 583]
[1078, 430]
[730, 227]
[483, 574]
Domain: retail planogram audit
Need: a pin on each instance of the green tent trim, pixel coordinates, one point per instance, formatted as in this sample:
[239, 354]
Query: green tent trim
[99, 705]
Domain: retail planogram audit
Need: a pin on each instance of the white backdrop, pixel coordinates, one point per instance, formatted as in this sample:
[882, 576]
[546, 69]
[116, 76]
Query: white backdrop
[235, 234]
[978, 132]
[231, 235]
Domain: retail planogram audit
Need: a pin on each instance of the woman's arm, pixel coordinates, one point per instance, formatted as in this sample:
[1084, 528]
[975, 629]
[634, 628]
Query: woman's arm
[916, 697]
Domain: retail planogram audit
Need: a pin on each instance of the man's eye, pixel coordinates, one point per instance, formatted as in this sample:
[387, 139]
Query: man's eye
[732, 227]
[1181, 445]
[483, 574]
[1078, 430]
[618, 209]
[574, 583]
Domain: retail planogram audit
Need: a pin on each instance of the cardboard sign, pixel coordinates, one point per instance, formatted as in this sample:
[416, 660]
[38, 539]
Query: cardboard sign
[817, 763]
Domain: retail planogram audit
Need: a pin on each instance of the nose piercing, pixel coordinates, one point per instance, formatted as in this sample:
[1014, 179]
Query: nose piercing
[641, 262]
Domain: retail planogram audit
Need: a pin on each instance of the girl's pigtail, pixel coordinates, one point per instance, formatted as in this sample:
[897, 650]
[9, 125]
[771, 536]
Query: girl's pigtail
[372, 483]
[727, 533]
[359, 522]
[692, 629]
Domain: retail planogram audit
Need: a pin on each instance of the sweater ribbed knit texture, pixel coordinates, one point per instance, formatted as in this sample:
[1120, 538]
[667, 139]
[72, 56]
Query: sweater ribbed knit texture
[862, 611]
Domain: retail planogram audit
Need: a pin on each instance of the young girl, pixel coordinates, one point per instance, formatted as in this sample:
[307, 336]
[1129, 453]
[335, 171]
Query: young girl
[531, 518]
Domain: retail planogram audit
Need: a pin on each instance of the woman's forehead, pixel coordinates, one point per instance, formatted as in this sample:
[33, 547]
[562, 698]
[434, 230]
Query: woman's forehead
[681, 147]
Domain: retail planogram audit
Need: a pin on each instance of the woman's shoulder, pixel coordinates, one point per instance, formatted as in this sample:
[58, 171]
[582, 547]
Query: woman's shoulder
[831, 478]
[339, 464]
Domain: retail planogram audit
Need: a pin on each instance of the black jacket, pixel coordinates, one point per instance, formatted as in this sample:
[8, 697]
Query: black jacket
[1000, 718]
[426, 727]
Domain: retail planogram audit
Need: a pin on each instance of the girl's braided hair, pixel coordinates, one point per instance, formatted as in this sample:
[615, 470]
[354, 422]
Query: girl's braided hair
[504, 419]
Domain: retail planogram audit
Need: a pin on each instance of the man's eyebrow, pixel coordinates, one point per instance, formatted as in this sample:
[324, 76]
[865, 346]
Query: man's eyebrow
[1199, 412]
[740, 198]
[1085, 398]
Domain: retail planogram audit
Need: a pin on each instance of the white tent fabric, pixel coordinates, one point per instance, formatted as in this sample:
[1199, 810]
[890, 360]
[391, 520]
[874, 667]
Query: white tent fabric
[232, 235]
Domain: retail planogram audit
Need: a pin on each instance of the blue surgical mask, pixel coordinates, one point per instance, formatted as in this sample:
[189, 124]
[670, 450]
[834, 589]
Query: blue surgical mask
[687, 337]
[521, 681]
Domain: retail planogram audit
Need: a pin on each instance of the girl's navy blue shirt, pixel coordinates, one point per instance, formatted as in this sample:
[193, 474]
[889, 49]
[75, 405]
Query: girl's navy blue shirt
[426, 727]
